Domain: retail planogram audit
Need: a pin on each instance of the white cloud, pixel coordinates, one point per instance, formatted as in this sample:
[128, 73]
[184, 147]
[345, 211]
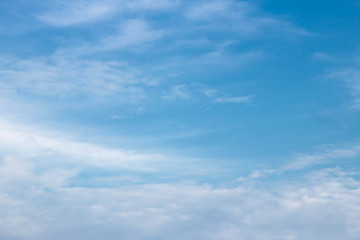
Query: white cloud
[73, 77]
[67, 13]
[36, 196]
[131, 35]
[242, 16]
[153, 4]
[215, 58]
[242, 99]
[351, 77]
[178, 92]
[25, 142]
[209, 92]
[21, 171]
[210, 10]
[132, 32]
[323, 205]
[356, 104]
[307, 160]
[304, 162]
[220, 57]
[323, 56]
[196, 91]
[67, 74]
[13, 169]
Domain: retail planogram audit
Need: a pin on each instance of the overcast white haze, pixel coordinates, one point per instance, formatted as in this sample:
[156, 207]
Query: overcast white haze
[179, 119]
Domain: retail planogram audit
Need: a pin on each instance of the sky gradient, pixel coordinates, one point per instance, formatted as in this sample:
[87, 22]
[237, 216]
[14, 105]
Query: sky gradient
[179, 120]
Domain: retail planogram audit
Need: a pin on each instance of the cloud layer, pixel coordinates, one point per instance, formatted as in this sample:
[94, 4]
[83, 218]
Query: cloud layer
[323, 205]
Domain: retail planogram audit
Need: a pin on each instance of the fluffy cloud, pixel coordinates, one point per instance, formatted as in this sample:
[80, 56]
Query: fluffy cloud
[38, 199]
[322, 205]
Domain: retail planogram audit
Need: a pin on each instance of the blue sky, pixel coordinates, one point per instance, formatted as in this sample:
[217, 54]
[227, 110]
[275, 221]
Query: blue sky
[178, 119]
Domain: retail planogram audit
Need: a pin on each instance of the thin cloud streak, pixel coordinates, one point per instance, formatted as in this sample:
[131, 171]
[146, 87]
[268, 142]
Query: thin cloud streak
[66, 78]
[68, 13]
[73, 13]
[29, 142]
[242, 99]
[351, 77]
[308, 160]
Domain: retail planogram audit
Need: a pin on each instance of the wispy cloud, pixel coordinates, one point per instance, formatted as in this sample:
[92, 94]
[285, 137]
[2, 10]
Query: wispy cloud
[30, 142]
[67, 13]
[242, 99]
[210, 10]
[305, 162]
[153, 4]
[69, 78]
[244, 17]
[351, 77]
[178, 91]
[356, 104]
[70, 13]
[201, 91]
[308, 160]
[66, 72]
[323, 57]
[131, 34]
